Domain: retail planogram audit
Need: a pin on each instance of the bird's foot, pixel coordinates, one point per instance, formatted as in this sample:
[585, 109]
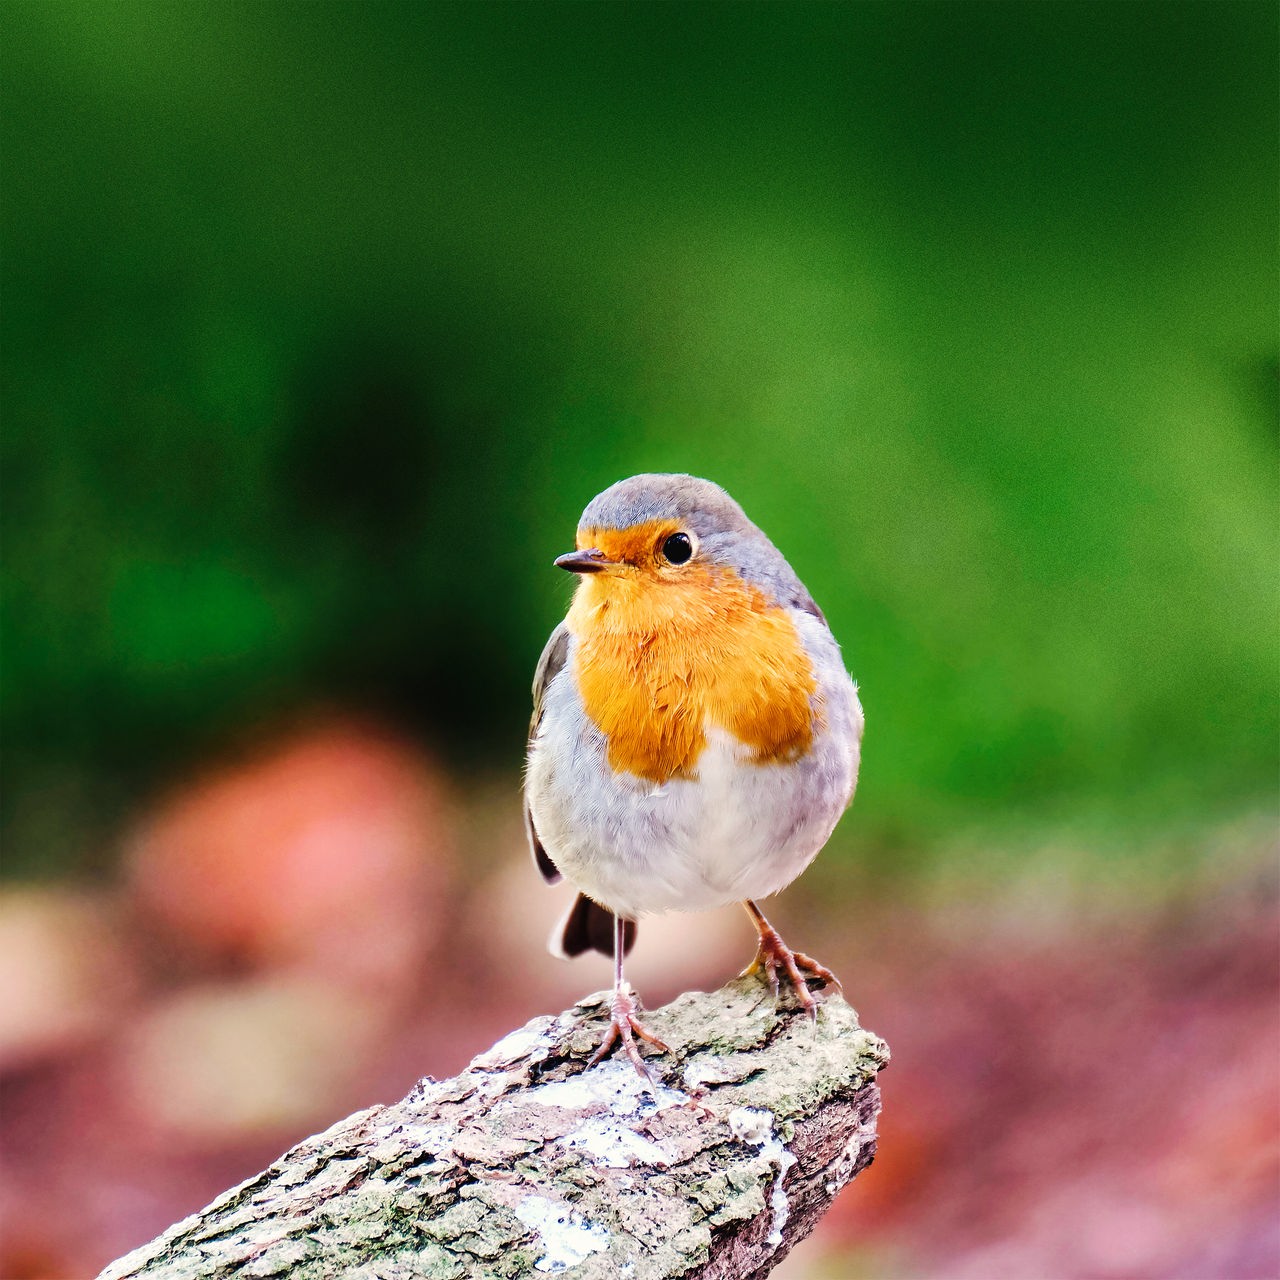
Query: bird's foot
[775, 959]
[625, 1027]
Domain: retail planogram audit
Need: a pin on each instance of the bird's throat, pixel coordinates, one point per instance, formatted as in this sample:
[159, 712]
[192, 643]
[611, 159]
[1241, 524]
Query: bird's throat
[659, 663]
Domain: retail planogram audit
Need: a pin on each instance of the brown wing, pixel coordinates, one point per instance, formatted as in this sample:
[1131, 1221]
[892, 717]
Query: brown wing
[554, 656]
[586, 926]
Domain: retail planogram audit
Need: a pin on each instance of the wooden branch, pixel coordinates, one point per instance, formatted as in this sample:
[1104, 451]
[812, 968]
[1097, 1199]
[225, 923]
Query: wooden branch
[527, 1164]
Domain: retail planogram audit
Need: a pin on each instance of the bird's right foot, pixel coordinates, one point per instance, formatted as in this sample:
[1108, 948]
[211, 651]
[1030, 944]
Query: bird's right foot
[625, 1028]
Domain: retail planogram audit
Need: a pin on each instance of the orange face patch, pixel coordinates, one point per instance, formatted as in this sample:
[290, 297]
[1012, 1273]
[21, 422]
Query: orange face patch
[637, 546]
[663, 653]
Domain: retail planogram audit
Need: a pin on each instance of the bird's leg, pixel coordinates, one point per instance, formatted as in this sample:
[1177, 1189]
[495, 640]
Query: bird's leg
[774, 957]
[624, 1026]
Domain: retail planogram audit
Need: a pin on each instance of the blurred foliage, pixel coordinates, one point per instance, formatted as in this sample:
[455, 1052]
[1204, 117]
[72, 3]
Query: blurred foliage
[322, 323]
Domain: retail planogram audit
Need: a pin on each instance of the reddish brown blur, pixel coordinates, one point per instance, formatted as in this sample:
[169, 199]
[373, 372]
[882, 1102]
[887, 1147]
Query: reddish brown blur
[1081, 1086]
[1072, 1094]
[329, 852]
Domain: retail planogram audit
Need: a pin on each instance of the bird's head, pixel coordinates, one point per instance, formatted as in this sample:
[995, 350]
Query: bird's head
[654, 529]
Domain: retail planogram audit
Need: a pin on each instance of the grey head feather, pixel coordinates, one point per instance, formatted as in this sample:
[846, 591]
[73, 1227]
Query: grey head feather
[725, 535]
[661, 496]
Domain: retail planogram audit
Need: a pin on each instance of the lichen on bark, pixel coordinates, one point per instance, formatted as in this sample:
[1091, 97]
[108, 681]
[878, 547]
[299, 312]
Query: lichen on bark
[527, 1164]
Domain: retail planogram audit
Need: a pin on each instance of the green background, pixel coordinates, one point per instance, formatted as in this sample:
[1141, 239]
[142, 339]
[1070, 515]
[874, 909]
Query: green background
[322, 323]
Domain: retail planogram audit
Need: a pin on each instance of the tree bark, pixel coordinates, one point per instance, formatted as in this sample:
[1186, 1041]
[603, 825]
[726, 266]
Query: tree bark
[526, 1164]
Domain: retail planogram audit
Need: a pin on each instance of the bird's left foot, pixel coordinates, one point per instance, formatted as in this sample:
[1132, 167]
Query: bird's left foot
[624, 1028]
[775, 959]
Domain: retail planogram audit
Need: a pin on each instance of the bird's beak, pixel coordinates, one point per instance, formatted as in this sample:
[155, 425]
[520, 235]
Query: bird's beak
[588, 560]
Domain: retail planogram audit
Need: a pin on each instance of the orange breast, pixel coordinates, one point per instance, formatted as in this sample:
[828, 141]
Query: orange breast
[657, 662]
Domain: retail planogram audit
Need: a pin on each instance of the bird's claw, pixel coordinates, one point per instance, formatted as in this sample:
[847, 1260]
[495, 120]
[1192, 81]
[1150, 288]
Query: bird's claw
[624, 1027]
[774, 958]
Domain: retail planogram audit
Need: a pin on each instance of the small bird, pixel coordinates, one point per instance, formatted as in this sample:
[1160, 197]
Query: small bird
[695, 735]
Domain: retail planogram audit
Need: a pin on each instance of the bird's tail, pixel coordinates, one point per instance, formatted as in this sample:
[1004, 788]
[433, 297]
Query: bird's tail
[587, 926]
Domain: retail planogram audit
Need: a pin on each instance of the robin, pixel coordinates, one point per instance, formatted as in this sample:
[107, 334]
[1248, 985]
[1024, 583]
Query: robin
[695, 735]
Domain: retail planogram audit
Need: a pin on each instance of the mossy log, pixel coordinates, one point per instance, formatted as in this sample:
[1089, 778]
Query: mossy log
[529, 1164]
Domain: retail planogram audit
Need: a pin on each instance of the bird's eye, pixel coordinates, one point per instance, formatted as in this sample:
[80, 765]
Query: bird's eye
[678, 548]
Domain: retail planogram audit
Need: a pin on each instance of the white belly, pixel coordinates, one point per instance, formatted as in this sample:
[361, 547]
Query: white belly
[739, 830]
[731, 834]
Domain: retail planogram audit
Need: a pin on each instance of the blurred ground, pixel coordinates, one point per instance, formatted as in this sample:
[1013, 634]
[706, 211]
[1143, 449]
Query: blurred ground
[1083, 1083]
